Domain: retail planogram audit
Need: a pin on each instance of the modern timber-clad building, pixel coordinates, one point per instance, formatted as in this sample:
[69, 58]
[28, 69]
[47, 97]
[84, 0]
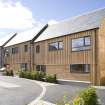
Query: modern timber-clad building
[19, 51]
[3, 42]
[73, 49]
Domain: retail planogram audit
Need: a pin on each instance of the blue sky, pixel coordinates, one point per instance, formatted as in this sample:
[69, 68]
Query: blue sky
[19, 15]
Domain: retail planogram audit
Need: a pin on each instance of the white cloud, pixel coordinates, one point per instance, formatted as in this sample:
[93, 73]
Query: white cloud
[15, 16]
[51, 22]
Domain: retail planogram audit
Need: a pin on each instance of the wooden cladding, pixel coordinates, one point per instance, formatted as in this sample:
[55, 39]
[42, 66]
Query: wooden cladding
[66, 55]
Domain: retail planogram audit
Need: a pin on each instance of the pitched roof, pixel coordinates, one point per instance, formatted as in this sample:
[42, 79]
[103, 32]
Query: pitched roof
[4, 40]
[80, 23]
[27, 35]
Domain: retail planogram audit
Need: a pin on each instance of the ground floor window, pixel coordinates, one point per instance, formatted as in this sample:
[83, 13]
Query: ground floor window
[80, 68]
[23, 66]
[41, 68]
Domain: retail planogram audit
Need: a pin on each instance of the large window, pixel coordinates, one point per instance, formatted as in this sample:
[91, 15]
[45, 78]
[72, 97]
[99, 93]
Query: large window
[23, 66]
[25, 48]
[82, 43]
[80, 68]
[14, 50]
[56, 46]
[38, 49]
[41, 68]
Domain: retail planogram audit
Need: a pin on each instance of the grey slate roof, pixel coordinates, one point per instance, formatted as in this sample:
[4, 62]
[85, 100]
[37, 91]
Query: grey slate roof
[80, 23]
[25, 36]
[5, 39]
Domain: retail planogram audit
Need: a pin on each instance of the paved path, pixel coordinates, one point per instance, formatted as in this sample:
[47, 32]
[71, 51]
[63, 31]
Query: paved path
[16, 91]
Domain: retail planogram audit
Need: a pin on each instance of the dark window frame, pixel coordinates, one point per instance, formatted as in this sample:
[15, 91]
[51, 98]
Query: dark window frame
[41, 68]
[58, 44]
[85, 47]
[15, 50]
[83, 67]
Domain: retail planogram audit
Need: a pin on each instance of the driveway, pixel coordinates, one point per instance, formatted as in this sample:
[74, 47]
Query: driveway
[16, 91]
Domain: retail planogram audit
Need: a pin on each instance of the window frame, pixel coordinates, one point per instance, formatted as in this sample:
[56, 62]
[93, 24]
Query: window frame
[42, 68]
[84, 47]
[15, 50]
[82, 71]
[58, 48]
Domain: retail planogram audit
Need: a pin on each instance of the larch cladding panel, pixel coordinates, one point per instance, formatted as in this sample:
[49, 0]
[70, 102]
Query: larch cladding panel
[101, 54]
[15, 60]
[59, 61]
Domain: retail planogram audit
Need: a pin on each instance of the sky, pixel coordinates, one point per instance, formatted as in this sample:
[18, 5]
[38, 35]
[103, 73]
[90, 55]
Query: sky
[20, 15]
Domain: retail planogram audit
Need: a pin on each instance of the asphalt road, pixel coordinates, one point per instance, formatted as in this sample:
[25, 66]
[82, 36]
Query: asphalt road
[24, 91]
[56, 93]
[22, 95]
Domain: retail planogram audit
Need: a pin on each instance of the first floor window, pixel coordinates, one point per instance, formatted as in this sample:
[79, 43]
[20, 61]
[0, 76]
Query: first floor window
[53, 46]
[15, 50]
[83, 43]
[41, 68]
[80, 68]
[56, 46]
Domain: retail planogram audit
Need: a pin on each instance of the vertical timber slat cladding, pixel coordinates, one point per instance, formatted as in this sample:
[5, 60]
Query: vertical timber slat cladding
[59, 61]
[101, 54]
[15, 60]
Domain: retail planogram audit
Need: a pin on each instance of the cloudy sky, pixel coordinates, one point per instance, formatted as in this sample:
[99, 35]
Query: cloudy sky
[19, 15]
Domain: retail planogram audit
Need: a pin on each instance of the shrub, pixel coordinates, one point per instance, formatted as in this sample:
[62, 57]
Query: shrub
[28, 75]
[63, 101]
[40, 75]
[51, 78]
[78, 101]
[33, 75]
[22, 74]
[9, 73]
[87, 96]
